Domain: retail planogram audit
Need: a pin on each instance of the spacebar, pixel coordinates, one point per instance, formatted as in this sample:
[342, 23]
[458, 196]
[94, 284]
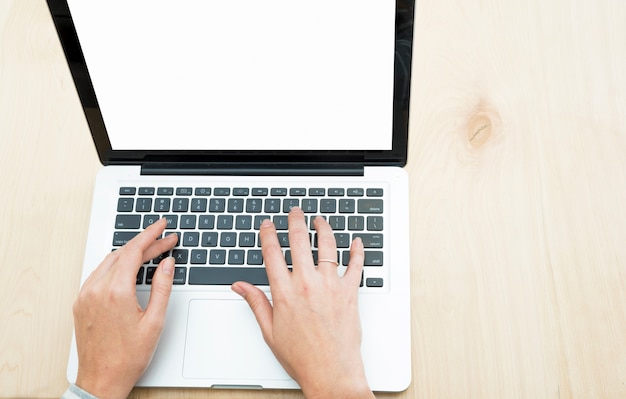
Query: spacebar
[210, 275]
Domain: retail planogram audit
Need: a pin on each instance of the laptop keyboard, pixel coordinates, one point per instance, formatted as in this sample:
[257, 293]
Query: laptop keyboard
[218, 227]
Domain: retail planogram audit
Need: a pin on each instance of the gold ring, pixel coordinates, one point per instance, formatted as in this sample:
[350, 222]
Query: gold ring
[328, 260]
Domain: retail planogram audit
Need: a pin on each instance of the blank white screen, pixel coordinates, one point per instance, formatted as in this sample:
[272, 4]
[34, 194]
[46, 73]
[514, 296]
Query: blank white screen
[241, 75]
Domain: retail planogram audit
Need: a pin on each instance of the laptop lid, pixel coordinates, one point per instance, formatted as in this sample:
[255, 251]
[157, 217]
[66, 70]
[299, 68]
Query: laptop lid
[212, 85]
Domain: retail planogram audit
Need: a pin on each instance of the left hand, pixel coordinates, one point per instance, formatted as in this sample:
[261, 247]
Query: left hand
[115, 337]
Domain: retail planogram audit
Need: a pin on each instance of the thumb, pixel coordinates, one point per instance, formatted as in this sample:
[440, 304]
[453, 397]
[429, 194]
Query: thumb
[161, 289]
[260, 306]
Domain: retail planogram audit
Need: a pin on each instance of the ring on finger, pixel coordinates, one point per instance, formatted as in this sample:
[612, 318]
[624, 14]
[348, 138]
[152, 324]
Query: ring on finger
[334, 262]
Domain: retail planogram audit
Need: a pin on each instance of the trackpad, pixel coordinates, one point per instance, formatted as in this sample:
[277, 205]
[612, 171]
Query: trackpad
[224, 342]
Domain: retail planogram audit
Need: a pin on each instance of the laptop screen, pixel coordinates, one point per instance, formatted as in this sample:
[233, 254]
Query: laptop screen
[256, 76]
[241, 75]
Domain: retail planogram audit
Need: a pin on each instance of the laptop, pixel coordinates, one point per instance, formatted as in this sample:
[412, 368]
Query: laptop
[219, 114]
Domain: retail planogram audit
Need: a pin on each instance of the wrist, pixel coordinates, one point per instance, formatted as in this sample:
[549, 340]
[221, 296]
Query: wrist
[353, 392]
[102, 389]
[341, 387]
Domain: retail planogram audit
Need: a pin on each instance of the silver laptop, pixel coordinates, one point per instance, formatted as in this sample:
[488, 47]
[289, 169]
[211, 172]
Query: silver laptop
[219, 114]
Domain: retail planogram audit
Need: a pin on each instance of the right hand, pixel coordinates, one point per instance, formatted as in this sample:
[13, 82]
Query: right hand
[313, 327]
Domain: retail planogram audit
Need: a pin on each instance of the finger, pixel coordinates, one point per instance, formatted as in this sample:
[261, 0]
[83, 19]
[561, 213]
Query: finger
[160, 294]
[160, 247]
[275, 265]
[260, 306]
[300, 242]
[131, 255]
[326, 246]
[355, 266]
[102, 268]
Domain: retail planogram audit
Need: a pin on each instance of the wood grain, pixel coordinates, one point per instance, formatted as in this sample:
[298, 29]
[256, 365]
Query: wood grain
[518, 202]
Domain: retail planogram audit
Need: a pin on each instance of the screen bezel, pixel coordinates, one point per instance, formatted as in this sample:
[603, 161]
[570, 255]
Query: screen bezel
[397, 156]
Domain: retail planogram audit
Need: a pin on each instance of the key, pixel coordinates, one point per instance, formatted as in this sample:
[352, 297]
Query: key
[289, 203]
[160, 257]
[254, 205]
[243, 222]
[180, 205]
[180, 256]
[140, 275]
[370, 205]
[127, 190]
[165, 191]
[191, 239]
[258, 220]
[236, 257]
[283, 239]
[328, 206]
[259, 192]
[217, 205]
[278, 192]
[221, 192]
[177, 234]
[227, 275]
[206, 222]
[375, 223]
[272, 205]
[355, 192]
[203, 191]
[198, 205]
[374, 282]
[336, 192]
[217, 257]
[209, 239]
[297, 192]
[172, 221]
[356, 223]
[143, 205]
[241, 192]
[235, 205]
[184, 191]
[122, 237]
[180, 275]
[198, 256]
[255, 257]
[162, 205]
[228, 239]
[146, 191]
[188, 221]
[127, 221]
[374, 192]
[150, 220]
[280, 222]
[372, 258]
[370, 240]
[247, 240]
[309, 205]
[337, 222]
[342, 240]
[150, 274]
[346, 206]
[224, 222]
[317, 192]
[125, 204]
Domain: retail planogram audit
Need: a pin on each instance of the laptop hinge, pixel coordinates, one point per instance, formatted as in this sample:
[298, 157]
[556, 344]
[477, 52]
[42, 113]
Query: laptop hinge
[251, 169]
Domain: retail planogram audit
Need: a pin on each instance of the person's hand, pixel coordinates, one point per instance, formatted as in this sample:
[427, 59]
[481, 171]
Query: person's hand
[313, 327]
[115, 337]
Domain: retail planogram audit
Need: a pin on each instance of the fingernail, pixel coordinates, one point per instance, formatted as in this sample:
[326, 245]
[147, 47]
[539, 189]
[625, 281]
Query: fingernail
[167, 266]
[237, 288]
[266, 223]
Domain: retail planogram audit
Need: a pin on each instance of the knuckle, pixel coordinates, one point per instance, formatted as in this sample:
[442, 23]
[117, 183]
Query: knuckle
[327, 240]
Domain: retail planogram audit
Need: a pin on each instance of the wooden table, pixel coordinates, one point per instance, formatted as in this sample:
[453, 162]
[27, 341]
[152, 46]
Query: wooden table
[518, 202]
